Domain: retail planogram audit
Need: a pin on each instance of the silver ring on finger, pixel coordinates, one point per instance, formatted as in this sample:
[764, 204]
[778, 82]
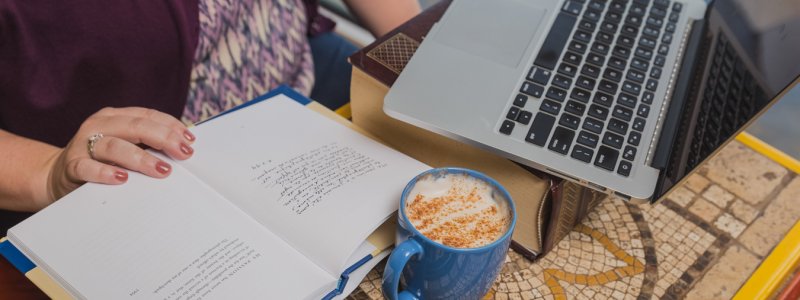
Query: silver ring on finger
[92, 142]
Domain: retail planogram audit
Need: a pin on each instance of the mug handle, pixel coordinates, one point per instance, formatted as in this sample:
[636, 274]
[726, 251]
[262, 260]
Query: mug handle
[394, 267]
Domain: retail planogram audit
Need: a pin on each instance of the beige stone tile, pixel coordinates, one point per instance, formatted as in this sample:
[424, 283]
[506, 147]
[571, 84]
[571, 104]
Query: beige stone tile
[726, 276]
[696, 183]
[766, 231]
[720, 197]
[744, 172]
[728, 223]
[681, 195]
[743, 211]
[704, 209]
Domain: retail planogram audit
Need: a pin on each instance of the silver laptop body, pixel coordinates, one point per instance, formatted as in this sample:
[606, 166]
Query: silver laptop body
[468, 79]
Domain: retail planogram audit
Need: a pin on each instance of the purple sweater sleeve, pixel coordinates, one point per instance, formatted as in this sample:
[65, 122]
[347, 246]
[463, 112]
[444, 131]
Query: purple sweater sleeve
[61, 61]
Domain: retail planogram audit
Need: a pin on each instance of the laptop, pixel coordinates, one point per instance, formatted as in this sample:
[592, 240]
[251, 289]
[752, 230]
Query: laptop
[624, 96]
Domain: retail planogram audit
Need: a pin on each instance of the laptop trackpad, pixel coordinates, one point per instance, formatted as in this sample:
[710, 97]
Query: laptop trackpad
[496, 30]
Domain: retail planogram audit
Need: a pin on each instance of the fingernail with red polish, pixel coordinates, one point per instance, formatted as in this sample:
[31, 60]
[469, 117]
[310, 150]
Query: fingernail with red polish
[163, 167]
[186, 149]
[121, 176]
[188, 135]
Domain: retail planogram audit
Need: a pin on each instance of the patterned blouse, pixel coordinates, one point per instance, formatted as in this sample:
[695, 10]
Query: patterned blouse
[245, 48]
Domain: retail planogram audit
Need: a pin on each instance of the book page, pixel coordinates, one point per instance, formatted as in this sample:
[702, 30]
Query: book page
[165, 239]
[319, 185]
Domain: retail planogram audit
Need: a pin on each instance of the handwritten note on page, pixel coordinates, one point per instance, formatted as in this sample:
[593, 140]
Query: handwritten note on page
[316, 183]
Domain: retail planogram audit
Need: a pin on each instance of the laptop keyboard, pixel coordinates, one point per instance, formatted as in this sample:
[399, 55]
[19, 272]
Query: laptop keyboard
[730, 98]
[595, 99]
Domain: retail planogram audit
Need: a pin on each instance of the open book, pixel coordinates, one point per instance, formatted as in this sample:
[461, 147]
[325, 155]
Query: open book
[277, 202]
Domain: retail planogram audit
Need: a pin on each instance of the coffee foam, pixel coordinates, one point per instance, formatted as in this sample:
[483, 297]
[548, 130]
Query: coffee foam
[457, 210]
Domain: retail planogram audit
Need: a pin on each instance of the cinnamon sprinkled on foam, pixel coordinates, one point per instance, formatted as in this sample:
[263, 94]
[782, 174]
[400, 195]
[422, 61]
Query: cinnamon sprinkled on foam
[457, 211]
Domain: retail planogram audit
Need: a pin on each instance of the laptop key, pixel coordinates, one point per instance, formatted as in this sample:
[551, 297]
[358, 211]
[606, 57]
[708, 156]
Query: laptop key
[599, 47]
[613, 16]
[659, 60]
[555, 41]
[588, 139]
[655, 72]
[630, 30]
[603, 98]
[605, 37]
[670, 27]
[569, 121]
[507, 127]
[539, 75]
[582, 36]
[572, 7]
[606, 158]
[595, 59]
[647, 97]
[626, 41]
[573, 58]
[575, 108]
[637, 9]
[520, 100]
[643, 110]
[617, 126]
[651, 85]
[618, 6]
[590, 71]
[634, 137]
[659, 13]
[613, 75]
[532, 89]
[577, 47]
[550, 106]
[666, 38]
[636, 76]
[524, 117]
[622, 113]
[639, 64]
[561, 81]
[624, 168]
[556, 94]
[598, 111]
[585, 82]
[561, 140]
[580, 95]
[540, 129]
[629, 153]
[677, 6]
[566, 69]
[616, 63]
[587, 25]
[582, 153]
[626, 100]
[613, 140]
[597, 5]
[622, 52]
[609, 27]
[638, 124]
[633, 20]
[608, 86]
[512, 113]
[663, 49]
[647, 43]
[631, 87]
[650, 32]
[655, 22]
[592, 15]
[593, 125]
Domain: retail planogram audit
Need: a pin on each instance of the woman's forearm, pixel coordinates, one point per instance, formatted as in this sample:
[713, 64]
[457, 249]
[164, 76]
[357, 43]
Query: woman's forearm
[380, 17]
[24, 165]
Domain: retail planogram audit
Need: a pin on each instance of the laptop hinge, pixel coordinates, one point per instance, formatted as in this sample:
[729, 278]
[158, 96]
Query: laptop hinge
[671, 126]
[680, 95]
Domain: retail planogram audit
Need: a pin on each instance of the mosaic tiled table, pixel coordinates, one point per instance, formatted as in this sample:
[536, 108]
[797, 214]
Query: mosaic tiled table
[702, 242]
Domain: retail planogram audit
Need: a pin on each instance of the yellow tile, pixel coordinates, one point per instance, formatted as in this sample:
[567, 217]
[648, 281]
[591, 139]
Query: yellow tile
[591, 280]
[580, 279]
[570, 278]
[602, 279]
[612, 276]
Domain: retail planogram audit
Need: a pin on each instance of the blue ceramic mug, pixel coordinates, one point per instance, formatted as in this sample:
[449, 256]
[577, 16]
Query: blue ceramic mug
[430, 270]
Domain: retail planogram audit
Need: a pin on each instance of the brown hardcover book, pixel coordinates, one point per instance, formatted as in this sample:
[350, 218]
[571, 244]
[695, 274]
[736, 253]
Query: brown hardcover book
[547, 207]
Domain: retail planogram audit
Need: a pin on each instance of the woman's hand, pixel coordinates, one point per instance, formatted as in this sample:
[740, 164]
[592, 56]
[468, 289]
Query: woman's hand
[117, 134]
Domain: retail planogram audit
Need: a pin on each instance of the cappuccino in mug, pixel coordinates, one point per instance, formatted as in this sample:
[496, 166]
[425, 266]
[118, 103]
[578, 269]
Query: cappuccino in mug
[458, 210]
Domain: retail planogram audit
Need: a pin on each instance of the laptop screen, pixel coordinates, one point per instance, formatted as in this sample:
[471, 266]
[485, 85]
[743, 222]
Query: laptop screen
[747, 53]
